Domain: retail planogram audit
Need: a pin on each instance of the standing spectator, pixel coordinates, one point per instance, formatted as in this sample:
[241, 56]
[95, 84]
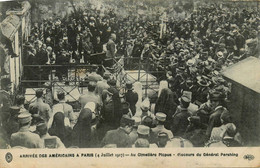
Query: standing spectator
[111, 50]
[131, 97]
[66, 108]
[44, 109]
[90, 96]
[180, 118]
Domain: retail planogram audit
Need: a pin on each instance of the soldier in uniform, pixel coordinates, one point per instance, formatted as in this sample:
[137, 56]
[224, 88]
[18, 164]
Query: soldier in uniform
[24, 137]
[143, 137]
[180, 118]
[160, 118]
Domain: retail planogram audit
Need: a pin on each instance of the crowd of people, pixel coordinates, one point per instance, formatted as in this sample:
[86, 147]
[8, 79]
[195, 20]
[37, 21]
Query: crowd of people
[191, 107]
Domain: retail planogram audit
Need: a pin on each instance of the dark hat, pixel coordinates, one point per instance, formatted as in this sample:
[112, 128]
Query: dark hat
[127, 120]
[216, 96]
[41, 126]
[148, 121]
[163, 135]
[106, 75]
[203, 83]
[14, 110]
[112, 82]
[129, 85]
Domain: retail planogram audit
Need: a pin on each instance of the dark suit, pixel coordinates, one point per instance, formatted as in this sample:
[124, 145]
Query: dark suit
[180, 121]
[131, 98]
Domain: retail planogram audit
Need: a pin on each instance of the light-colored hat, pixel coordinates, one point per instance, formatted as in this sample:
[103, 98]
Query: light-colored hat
[190, 62]
[220, 54]
[24, 118]
[143, 130]
[160, 116]
[137, 120]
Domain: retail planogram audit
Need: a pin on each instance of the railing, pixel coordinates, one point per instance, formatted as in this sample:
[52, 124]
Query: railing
[135, 69]
[69, 78]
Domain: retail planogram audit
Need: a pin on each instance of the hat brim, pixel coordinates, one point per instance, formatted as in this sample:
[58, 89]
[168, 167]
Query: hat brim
[204, 85]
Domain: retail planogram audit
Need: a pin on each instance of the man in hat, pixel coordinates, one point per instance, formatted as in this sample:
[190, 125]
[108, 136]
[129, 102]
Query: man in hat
[180, 118]
[120, 136]
[90, 96]
[42, 131]
[133, 134]
[5, 100]
[24, 137]
[216, 101]
[143, 137]
[44, 109]
[12, 124]
[160, 118]
[131, 97]
[162, 140]
[111, 50]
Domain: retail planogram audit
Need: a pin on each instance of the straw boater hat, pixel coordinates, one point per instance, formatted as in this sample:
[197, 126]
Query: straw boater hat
[160, 116]
[143, 130]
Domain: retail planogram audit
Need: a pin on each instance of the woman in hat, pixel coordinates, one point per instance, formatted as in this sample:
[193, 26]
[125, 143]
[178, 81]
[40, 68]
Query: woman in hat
[59, 129]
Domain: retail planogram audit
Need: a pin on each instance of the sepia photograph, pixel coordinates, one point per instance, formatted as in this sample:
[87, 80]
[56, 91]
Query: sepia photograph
[84, 75]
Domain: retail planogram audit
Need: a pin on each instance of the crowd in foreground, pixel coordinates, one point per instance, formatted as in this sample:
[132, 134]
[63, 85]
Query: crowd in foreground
[110, 119]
